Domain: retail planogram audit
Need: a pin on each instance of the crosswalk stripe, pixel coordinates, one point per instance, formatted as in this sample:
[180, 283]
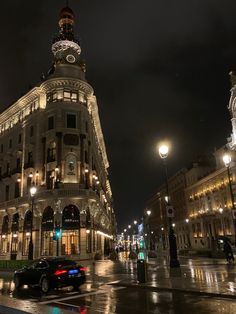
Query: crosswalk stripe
[79, 296]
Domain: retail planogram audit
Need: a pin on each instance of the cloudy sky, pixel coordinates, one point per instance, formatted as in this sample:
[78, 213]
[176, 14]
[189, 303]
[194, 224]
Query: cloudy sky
[159, 69]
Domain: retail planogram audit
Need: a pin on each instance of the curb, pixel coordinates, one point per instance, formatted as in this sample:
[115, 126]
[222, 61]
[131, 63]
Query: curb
[178, 290]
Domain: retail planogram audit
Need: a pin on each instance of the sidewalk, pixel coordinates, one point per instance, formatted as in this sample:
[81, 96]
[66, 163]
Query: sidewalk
[202, 276]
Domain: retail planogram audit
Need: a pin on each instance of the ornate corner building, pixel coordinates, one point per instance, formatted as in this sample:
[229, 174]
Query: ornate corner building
[52, 138]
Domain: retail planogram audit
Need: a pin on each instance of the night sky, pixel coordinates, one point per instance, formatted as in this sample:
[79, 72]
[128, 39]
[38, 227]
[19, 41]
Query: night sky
[159, 69]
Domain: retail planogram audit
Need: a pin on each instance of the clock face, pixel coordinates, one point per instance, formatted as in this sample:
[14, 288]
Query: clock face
[70, 58]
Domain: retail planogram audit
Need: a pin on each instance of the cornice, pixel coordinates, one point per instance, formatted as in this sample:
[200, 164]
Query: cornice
[20, 104]
[65, 81]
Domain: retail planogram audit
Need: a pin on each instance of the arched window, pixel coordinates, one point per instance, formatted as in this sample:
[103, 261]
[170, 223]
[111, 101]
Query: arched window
[47, 232]
[27, 231]
[47, 219]
[15, 223]
[14, 230]
[70, 217]
[5, 240]
[5, 224]
[70, 230]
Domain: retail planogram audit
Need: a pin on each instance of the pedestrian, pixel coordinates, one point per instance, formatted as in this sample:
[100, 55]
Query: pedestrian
[228, 252]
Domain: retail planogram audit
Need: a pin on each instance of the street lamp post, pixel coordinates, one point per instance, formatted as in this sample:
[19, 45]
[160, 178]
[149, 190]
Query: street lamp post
[147, 229]
[33, 191]
[227, 161]
[174, 262]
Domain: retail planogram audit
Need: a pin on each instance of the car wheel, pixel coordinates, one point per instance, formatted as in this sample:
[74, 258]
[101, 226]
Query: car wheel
[17, 282]
[45, 285]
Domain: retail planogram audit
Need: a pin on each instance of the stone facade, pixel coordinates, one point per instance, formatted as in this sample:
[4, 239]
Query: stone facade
[202, 201]
[51, 138]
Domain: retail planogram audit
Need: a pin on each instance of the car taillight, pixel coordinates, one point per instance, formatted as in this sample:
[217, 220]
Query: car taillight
[83, 268]
[60, 272]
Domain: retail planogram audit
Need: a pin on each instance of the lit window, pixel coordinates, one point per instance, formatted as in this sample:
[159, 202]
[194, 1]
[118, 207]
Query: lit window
[74, 97]
[54, 96]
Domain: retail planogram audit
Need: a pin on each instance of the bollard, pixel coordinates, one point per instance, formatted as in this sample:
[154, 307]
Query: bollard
[141, 271]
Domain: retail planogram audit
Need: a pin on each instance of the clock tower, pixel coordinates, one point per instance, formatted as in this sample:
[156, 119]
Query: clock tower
[66, 47]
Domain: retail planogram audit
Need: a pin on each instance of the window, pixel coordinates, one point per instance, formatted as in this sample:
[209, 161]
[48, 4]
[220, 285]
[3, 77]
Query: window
[30, 158]
[50, 123]
[10, 143]
[74, 97]
[71, 121]
[17, 189]
[54, 96]
[86, 157]
[18, 163]
[66, 96]
[7, 190]
[8, 168]
[51, 152]
[19, 138]
[31, 131]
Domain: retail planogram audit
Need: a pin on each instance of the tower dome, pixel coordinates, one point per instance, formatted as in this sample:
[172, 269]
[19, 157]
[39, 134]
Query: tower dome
[66, 16]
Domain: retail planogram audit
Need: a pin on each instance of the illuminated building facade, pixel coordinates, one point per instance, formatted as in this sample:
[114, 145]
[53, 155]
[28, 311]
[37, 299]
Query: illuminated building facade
[209, 206]
[52, 138]
[202, 205]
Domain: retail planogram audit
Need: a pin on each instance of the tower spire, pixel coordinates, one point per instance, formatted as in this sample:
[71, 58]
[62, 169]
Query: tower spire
[65, 45]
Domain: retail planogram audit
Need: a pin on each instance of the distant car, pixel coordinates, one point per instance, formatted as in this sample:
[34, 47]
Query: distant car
[50, 273]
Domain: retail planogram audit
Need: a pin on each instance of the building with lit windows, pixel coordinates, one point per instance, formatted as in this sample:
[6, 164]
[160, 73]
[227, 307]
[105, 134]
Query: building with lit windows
[52, 138]
[209, 205]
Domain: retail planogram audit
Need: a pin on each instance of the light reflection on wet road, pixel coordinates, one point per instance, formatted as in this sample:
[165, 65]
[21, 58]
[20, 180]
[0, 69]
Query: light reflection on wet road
[98, 296]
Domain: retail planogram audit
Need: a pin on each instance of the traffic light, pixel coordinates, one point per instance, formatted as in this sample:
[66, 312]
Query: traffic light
[57, 233]
[141, 244]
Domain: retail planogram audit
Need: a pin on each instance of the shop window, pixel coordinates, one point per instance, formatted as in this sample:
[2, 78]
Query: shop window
[26, 231]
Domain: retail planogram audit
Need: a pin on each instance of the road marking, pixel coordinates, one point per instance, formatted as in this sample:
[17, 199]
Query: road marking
[79, 296]
[69, 305]
[112, 282]
[51, 296]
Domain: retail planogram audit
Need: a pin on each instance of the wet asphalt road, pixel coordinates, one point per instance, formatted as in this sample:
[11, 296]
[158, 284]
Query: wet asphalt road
[100, 295]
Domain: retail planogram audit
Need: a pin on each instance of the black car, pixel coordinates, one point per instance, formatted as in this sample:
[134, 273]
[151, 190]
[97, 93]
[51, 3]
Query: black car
[50, 273]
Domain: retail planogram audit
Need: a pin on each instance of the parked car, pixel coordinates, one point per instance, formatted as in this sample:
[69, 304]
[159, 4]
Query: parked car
[50, 273]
